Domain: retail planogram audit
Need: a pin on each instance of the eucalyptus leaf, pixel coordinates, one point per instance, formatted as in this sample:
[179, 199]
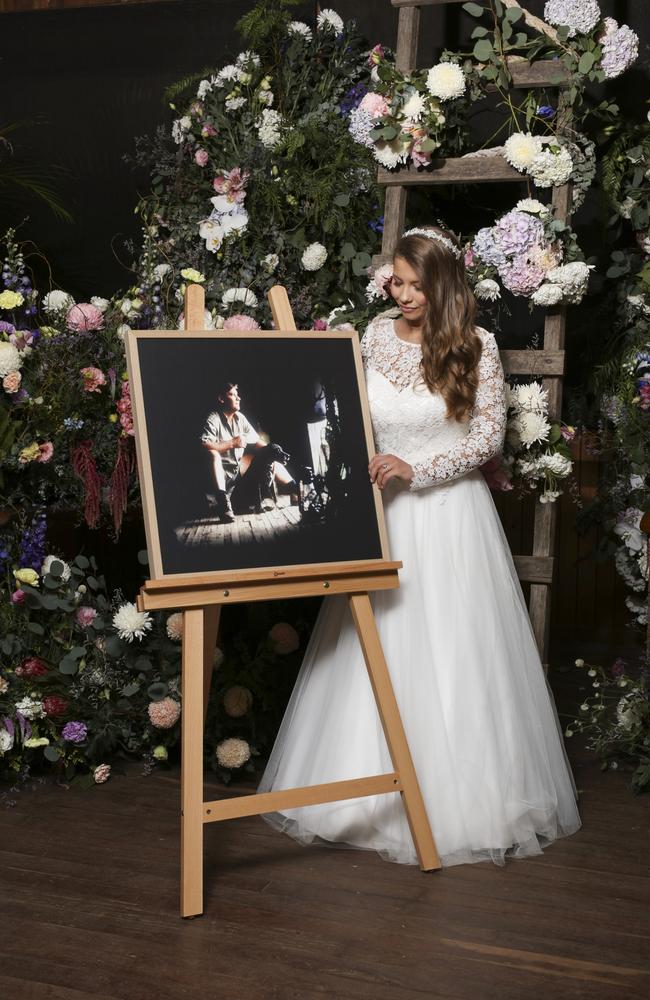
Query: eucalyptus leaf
[342, 199]
[483, 50]
[35, 628]
[143, 557]
[157, 691]
[514, 14]
[114, 646]
[52, 754]
[49, 602]
[68, 666]
[82, 562]
[473, 9]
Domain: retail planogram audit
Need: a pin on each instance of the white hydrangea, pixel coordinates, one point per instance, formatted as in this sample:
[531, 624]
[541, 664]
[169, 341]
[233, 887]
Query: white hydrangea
[243, 295]
[10, 359]
[532, 206]
[551, 168]
[446, 81]
[130, 624]
[532, 428]
[301, 29]
[414, 107]
[547, 295]
[531, 397]
[47, 564]
[579, 16]
[56, 301]
[329, 20]
[521, 149]
[30, 708]
[314, 256]
[488, 290]
[269, 127]
[572, 278]
[360, 126]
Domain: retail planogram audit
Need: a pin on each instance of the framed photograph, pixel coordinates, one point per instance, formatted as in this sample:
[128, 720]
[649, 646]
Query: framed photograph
[253, 451]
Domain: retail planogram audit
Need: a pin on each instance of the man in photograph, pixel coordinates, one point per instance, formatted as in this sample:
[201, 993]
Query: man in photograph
[243, 466]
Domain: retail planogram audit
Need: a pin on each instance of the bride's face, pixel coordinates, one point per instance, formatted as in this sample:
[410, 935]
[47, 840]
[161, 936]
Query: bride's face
[406, 289]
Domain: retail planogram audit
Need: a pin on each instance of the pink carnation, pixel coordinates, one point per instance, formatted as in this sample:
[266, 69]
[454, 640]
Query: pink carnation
[374, 104]
[11, 382]
[85, 616]
[284, 638]
[45, 450]
[164, 714]
[84, 317]
[201, 157]
[93, 379]
[240, 322]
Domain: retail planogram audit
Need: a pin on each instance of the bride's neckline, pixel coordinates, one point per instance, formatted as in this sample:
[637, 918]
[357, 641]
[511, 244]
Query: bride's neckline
[408, 343]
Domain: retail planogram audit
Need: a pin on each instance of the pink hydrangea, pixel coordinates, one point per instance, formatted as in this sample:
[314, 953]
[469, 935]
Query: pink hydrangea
[240, 322]
[164, 714]
[201, 157]
[232, 184]
[521, 276]
[85, 616]
[84, 317]
[93, 379]
[374, 104]
[284, 638]
[45, 451]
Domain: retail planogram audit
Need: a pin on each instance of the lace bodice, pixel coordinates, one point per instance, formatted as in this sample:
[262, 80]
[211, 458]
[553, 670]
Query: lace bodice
[411, 422]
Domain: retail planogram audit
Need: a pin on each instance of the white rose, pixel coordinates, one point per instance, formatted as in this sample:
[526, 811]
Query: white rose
[6, 740]
[99, 303]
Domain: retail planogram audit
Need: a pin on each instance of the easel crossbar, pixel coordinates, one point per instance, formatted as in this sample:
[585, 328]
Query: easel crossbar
[291, 798]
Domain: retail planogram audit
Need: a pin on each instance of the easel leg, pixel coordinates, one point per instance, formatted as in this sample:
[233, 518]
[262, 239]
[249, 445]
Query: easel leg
[211, 616]
[192, 765]
[391, 721]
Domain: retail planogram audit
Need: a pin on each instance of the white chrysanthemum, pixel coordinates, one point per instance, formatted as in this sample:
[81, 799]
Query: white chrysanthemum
[360, 125]
[487, 289]
[532, 206]
[56, 301]
[271, 261]
[301, 29]
[550, 168]
[547, 295]
[521, 149]
[130, 624]
[232, 753]
[446, 81]
[30, 708]
[243, 295]
[573, 279]
[391, 154]
[174, 626]
[314, 256]
[269, 127]
[413, 109]
[226, 75]
[558, 465]
[248, 58]
[10, 359]
[47, 564]
[532, 397]
[532, 428]
[234, 103]
[329, 20]
[579, 16]
[99, 303]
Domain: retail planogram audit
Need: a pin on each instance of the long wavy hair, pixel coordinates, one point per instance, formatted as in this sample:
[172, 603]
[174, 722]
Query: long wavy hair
[451, 347]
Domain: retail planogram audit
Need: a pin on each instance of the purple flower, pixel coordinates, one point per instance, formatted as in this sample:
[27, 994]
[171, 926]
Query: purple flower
[377, 225]
[521, 277]
[545, 111]
[516, 232]
[32, 544]
[75, 732]
[487, 249]
[6, 327]
[352, 98]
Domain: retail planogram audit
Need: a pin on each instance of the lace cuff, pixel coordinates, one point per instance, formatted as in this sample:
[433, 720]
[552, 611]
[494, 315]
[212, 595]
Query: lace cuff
[487, 425]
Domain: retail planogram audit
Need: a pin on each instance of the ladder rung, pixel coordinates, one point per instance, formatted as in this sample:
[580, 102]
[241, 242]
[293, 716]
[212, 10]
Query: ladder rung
[533, 362]
[454, 170]
[534, 569]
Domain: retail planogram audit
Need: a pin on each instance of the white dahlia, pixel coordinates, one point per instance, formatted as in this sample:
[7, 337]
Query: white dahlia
[521, 149]
[446, 81]
[488, 290]
[329, 20]
[130, 624]
[10, 359]
[314, 257]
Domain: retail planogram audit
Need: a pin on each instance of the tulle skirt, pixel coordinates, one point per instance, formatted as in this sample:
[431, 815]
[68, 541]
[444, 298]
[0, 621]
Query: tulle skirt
[477, 711]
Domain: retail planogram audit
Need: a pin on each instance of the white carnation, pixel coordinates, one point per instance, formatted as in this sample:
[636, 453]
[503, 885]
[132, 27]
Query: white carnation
[269, 127]
[30, 708]
[487, 289]
[243, 295]
[130, 624]
[329, 20]
[547, 295]
[446, 81]
[532, 206]
[573, 279]
[549, 168]
[314, 256]
[56, 301]
[580, 16]
[10, 359]
[531, 397]
[301, 29]
[47, 564]
[532, 428]
[521, 149]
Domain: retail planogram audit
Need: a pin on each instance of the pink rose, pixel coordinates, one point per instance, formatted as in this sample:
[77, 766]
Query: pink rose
[11, 382]
[374, 104]
[240, 322]
[84, 317]
[93, 378]
[496, 474]
[46, 450]
[201, 157]
[376, 55]
[284, 638]
[85, 616]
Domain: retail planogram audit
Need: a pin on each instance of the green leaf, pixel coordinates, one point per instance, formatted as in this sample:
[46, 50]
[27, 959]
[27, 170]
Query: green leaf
[143, 557]
[92, 583]
[52, 754]
[68, 666]
[473, 9]
[483, 50]
[479, 31]
[348, 251]
[35, 628]
[587, 60]
[157, 691]
[428, 145]
[514, 14]
[342, 200]
[33, 599]
[82, 562]
[49, 602]
[389, 132]
[113, 646]
[77, 652]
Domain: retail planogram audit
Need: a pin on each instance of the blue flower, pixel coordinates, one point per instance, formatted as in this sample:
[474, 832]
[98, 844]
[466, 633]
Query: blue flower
[377, 225]
[545, 111]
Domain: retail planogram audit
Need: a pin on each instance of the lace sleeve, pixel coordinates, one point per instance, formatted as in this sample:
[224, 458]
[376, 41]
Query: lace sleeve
[487, 425]
[366, 343]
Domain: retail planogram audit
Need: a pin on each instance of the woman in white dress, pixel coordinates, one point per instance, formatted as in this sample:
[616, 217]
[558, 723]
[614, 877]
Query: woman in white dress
[476, 708]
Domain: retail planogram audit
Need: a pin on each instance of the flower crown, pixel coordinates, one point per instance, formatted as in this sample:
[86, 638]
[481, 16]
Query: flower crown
[431, 234]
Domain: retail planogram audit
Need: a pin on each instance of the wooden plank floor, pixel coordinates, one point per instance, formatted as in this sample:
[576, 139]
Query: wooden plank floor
[89, 908]
[283, 519]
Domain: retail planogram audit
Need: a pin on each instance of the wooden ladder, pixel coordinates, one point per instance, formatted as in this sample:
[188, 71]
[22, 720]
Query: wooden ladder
[547, 362]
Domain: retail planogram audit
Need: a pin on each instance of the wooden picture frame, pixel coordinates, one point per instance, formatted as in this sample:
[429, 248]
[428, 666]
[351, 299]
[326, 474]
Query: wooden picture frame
[173, 378]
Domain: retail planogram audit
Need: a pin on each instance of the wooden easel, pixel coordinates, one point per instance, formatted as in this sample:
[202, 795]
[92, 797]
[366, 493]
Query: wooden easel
[201, 598]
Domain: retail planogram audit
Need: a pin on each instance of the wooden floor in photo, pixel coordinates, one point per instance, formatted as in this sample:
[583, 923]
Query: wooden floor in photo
[89, 907]
[282, 520]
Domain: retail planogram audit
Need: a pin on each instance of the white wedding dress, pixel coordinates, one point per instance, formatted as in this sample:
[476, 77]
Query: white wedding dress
[476, 708]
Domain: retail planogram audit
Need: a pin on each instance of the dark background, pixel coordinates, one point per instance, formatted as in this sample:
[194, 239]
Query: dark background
[94, 78]
[276, 379]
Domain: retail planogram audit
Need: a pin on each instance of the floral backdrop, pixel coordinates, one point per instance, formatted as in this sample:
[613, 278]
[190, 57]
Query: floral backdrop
[267, 175]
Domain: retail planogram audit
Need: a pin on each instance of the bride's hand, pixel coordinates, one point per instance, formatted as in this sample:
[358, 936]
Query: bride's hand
[383, 468]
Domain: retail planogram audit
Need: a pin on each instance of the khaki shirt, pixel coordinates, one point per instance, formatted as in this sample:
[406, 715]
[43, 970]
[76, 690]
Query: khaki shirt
[218, 429]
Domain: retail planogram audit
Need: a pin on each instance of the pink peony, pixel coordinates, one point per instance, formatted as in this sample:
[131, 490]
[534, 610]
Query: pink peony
[93, 379]
[46, 450]
[84, 317]
[240, 322]
[164, 714]
[201, 157]
[284, 638]
[85, 616]
[374, 104]
[11, 382]
[496, 474]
